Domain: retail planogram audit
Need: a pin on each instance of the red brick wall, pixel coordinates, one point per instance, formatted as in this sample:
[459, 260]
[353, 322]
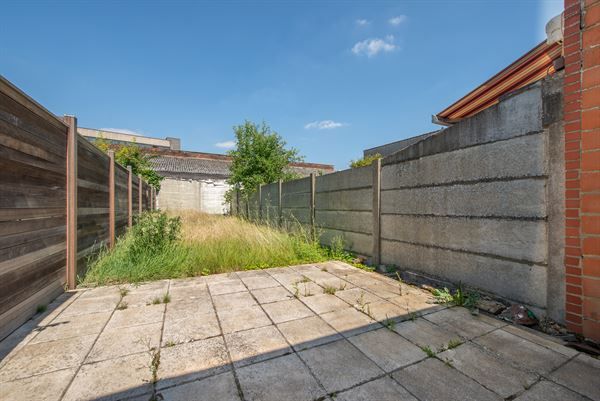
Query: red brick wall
[582, 165]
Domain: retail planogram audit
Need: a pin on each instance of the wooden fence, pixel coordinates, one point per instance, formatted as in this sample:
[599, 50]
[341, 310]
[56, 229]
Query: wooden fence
[61, 200]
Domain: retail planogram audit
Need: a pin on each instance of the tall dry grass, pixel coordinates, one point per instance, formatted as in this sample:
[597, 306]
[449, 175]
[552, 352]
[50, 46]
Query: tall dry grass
[207, 244]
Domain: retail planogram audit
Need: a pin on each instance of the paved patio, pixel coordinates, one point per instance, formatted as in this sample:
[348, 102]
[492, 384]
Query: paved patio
[313, 332]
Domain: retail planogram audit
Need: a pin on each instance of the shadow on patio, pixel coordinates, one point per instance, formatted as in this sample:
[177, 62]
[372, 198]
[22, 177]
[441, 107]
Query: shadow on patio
[311, 332]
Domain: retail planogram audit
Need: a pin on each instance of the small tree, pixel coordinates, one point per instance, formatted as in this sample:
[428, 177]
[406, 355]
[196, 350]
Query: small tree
[132, 155]
[365, 161]
[260, 157]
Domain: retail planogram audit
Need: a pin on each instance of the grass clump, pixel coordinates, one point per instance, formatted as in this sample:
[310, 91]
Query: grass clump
[161, 246]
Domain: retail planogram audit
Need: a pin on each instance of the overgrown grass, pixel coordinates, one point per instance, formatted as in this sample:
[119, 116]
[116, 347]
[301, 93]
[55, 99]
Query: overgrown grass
[205, 244]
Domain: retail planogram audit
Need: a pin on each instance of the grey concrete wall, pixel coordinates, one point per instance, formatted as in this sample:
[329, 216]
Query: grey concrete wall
[343, 208]
[471, 203]
[270, 203]
[206, 196]
[295, 202]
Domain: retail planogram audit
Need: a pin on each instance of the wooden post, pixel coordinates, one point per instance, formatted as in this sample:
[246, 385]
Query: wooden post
[279, 204]
[312, 204]
[140, 195]
[376, 212]
[71, 272]
[129, 197]
[111, 199]
[259, 202]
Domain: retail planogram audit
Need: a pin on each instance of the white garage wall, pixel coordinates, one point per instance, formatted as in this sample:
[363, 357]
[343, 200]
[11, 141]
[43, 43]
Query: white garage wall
[206, 196]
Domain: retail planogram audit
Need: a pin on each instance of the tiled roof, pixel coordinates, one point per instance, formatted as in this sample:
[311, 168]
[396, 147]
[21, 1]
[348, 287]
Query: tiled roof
[189, 165]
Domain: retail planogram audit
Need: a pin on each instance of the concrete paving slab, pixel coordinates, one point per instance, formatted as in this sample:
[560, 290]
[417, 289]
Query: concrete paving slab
[383, 290]
[339, 365]
[91, 305]
[39, 365]
[387, 349]
[493, 373]
[136, 316]
[177, 311]
[433, 380]
[46, 357]
[284, 311]
[358, 297]
[226, 287]
[582, 375]
[125, 341]
[159, 285]
[349, 321]
[281, 379]
[258, 282]
[548, 391]
[288, 278]
[273, 294]
[113, 379]
[256, 345]
[189, 293]
[235, 300]
[220, 387]
[253, 273]
[461, 321]
[384, 310]
[425, 334]
[308, 332]
[521, 352]
[191, 361]
[542, 339]
[190, 329]
[384, 389]
[187, 282]
[47, 387]
[324, 303]
[71, 326]
[233, 320]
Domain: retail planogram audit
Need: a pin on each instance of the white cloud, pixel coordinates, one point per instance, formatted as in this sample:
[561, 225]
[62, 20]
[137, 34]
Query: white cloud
[123, 131]
[362, 22]
[372, 47]
[225, 145]
[324, 124]
[398, 20]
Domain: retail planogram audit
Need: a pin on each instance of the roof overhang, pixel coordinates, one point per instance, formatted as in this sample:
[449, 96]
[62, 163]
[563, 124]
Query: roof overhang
[533, 66]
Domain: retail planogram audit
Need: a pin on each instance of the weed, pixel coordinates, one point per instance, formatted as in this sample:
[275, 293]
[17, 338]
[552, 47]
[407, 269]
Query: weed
[390, 324]
[399, 284]
[448, 363]
[123, 291]
[304, 279]
[122, 305]
[41, 308]
[430, 353]
[170, 343]
[459, 298]
[324, 269]
[342, 286]
[328, 289]
[412, 316]
[155, 301]
[454, 343]
[166, 298]
[296, 290]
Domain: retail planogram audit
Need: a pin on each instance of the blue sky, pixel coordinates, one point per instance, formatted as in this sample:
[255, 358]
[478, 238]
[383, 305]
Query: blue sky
[331, 77]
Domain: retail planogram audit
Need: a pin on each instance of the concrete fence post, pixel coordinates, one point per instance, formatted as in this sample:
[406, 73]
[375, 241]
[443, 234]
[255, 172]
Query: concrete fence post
[312, 203]
[129, 197]
[71, 273]
[237, 202]
[140, 195]
[259, 197]
[279, 203]
[377, 212]
[111, 199]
